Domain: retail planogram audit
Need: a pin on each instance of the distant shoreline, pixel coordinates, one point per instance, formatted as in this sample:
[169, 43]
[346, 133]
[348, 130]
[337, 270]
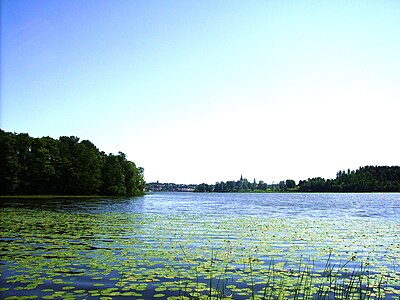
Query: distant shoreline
[49, 196]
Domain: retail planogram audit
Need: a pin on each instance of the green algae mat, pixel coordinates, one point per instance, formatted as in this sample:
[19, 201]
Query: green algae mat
[62, 255]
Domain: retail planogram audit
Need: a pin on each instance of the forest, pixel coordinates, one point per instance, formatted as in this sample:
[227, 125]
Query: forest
[365, 179]
[67, 166]
[243, 186]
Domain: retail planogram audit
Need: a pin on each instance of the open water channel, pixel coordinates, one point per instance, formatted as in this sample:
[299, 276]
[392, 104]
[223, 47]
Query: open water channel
[202, 246]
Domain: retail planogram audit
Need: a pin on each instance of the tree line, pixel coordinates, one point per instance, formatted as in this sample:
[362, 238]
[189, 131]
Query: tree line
[243, 185]
[67, 166]
[364, 179]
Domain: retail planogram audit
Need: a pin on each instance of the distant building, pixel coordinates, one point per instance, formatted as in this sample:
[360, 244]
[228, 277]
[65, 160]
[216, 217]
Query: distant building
[169, 187]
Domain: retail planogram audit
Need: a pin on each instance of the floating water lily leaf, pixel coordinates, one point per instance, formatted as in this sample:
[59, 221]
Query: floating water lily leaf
[125, 254]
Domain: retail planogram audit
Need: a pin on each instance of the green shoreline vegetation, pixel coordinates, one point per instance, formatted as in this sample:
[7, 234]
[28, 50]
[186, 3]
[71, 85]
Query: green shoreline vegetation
[67, 166]
[48, 253]
[51, 196]
[368, 179]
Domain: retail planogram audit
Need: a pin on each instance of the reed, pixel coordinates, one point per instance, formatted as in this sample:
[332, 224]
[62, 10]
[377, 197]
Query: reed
[306, 281]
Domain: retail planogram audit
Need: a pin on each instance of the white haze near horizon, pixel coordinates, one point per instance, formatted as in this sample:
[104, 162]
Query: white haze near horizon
[208, 91]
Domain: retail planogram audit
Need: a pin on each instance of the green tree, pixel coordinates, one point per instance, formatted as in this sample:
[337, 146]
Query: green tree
[262, 185]
[282, 186]
[245, 185]
[290, 184]
[202, 188]
[41, 166]
[68, 178]
[113, 177]
[230, 186]
[217, 187]
[24, 153]
[134, 178]
[254, 185]
[88, 165]
[9, 164]
[64, 166]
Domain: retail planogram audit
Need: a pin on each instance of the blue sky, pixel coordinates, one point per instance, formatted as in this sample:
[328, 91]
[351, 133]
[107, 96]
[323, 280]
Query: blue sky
[203, 91]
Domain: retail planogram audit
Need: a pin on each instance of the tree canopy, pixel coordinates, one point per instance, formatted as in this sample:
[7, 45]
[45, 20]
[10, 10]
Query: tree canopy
[67, 166]
[243, 186]
[365, 179]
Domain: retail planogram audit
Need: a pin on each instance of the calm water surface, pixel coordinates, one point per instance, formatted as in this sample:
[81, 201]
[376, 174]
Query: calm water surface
[160, 244]
[291, 205]
[275, 205]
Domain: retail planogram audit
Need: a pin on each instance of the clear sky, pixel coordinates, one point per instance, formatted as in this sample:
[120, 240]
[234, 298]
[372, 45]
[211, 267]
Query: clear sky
[204, 91]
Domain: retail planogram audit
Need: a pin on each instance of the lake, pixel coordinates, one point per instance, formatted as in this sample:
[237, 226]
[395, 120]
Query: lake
[202, 246]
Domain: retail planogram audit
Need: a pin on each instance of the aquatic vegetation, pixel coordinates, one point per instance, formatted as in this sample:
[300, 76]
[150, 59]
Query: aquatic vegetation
[50, 254]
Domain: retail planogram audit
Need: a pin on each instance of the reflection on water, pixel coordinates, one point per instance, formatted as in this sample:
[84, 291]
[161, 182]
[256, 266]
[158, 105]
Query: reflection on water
[72, 205]
[171, 244]
[338, 206]
[277, 205]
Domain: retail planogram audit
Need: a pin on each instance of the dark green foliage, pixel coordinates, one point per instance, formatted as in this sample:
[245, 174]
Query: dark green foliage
[290, 184]
[365, 179]
[113, 177]
[244, 186]
[317, 184]
[40, 171]
[262, 185]
[205, 188]
[254, 185]
[10, 167]
[66, 166]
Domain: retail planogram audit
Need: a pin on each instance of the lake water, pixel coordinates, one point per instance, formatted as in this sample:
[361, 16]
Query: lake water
[193, 245]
